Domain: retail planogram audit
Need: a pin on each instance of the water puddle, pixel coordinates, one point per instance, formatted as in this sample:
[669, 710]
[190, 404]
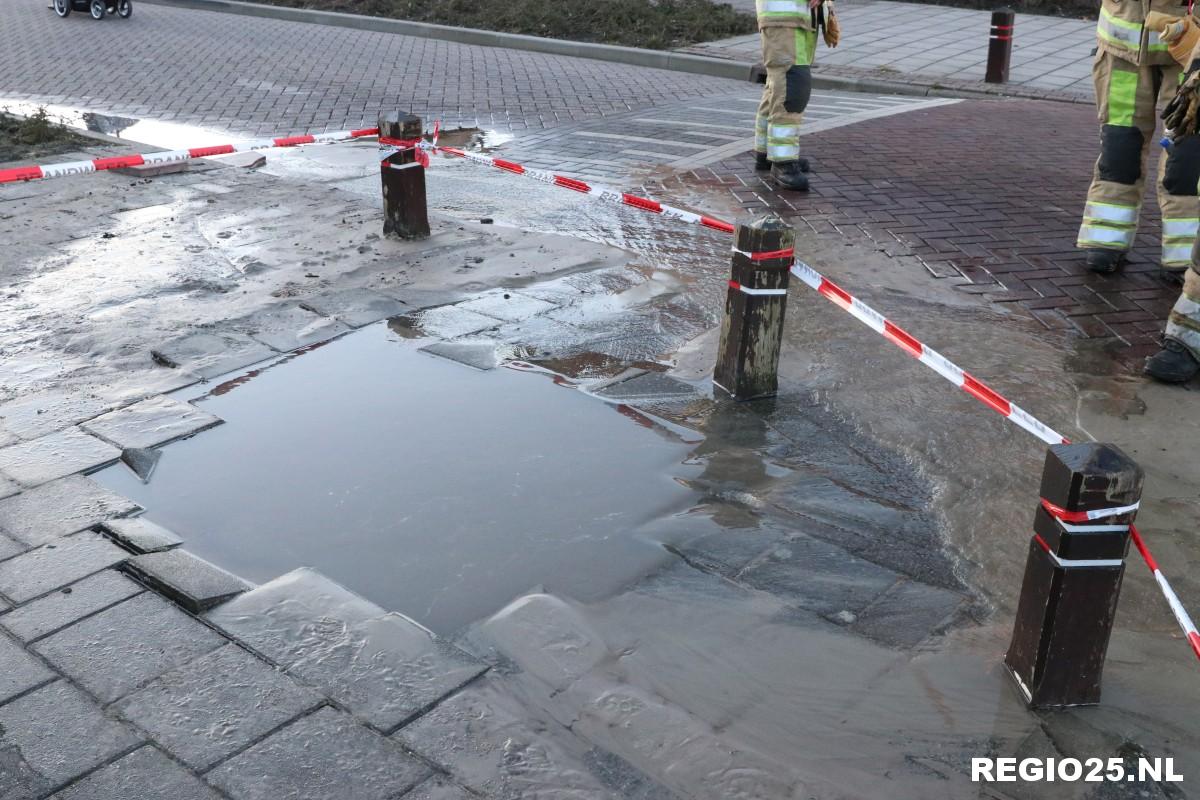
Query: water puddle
[431, 488]
[168, 135]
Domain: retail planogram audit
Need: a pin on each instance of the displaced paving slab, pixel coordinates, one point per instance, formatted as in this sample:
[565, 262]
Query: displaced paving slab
[59, 609]
[355, 307]
[326, 754]
[141, 535]
[54, 456]
[58, 734]
[21, 673]
[211, 707]
[57, 564]
[143, 774]
[208, 355]
[289, 326]
[127, 645]
[150, 423]
[187, 579]
[59, 508]
[382, 666]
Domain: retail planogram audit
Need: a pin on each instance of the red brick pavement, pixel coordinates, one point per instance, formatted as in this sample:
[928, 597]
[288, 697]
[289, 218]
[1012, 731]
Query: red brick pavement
[987, 194]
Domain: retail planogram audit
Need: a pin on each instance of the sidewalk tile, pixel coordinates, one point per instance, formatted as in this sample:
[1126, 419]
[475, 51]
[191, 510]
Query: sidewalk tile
[189, 580]
[59, 508]
[438, 788]
[151, 423]
[56, 564]
[141, 535]
[144, 774]
[20, 672]
[54, 456]
[69, 604]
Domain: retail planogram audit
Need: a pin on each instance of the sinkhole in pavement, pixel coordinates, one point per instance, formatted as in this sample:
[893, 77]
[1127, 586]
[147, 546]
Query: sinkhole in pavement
[432, 488]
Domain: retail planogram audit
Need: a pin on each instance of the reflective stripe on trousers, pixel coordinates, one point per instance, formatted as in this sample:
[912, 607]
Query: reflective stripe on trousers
[1125, 34]
[1179, 237]
[760, 134]
[1183, 324]
[1100, 236]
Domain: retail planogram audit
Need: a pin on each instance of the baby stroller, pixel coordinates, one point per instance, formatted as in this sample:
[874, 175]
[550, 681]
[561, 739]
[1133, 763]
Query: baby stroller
[98, 8]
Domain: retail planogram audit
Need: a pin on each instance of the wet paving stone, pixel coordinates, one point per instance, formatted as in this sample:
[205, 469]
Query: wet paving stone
[10, 547]
[208, 355]
[449, 322]
[60, 508]
[908, 613]
[59, 734]
[143, 774]
[8, 487]
[54, 456]
[355, 307]
[382, 666]
[141, 535]
[288, 327]
[438, 788]
[507, 305]
[47, 412]
[135, 641]
[57, 564]
[59, 609]
[189, 580]
[214, 706]
[326, 754]
[151, 423]
[480, 354]
[20, 673]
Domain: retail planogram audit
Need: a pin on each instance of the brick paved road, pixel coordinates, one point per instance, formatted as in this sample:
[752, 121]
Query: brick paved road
[1000, 220]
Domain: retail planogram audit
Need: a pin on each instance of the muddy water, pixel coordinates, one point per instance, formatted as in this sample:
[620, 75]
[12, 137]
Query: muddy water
[431, 488]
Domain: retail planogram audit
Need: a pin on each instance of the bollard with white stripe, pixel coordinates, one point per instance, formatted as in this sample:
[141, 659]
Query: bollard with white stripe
[402, 174]
[751, 333]
[1000, 45]
[1081, 532]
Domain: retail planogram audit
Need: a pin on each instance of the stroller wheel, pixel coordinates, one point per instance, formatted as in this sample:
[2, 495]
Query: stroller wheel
[125, 9]
[99, 9]
[62, 7]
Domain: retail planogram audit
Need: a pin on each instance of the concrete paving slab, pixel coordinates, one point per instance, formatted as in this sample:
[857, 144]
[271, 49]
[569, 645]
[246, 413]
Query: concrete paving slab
[288, 327]
[650, 388]
[438, 788]
[212, 707]
[10, 548]
[507, 305]
[135, 641]
[208, 355]
[21, 671]
[326, 754]
[547, 638]
[449, 322]
[141, 535]
[69, 604]
[478, 353]
[56, 734]
[355, 307]
[59, 508]
[55, 455]
[143, 774]
[8, 487]
[383, 667]
[187, 579]
[57, 564]
[150, 423]
[908, 613]
[49, 411]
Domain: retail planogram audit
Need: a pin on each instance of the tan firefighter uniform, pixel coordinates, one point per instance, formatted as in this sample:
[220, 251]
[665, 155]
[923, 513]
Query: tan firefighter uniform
[1133, 73]
[789, 42]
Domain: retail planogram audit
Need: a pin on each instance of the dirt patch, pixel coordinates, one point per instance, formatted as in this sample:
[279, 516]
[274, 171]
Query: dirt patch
[659, 25]
[36, 136]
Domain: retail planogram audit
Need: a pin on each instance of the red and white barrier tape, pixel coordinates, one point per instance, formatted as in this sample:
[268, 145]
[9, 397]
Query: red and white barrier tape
[35, 172]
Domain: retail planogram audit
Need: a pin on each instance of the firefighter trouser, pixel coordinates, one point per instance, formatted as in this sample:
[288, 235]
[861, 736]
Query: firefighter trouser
[788, 56]
[1183, 324]
[1127, 97]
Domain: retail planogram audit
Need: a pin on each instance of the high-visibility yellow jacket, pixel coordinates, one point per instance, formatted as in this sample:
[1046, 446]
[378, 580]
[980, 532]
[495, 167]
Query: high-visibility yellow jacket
[784, 14]
[1121, 29]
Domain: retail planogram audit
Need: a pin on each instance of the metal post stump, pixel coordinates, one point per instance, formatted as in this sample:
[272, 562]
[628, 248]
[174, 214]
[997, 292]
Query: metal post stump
[403, 177]
[752, 331]
[1073, 574]
[1000, 45]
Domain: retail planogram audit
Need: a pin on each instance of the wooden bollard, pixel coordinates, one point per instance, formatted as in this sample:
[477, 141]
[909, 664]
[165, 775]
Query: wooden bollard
[403, 177]
[748, 358]
[1073, 574]
[1000, 45]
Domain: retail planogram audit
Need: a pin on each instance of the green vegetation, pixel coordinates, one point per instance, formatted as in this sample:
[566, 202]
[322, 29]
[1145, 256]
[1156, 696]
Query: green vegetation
[34, 136]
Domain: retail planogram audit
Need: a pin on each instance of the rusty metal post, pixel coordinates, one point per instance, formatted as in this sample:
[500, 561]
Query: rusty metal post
[748, 358]
[1000, 45]
[1073, 574]
[403, 177]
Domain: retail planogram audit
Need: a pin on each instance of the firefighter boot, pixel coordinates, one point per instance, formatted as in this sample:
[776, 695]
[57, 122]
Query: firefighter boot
[1104, 261]
[789, 175]
[1173, 364]
[762, 164]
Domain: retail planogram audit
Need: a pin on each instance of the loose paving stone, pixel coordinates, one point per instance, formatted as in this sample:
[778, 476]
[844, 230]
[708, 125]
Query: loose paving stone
[141, 535]
[69, 604]
[20, 672]
[288, 327]
[321, 756]
[142, 461]
[60, 734]
[58, 508]
[212, 707]
[54, 456]
[448, 322]
[208, 355]
[438, 788]
[56, 564]
[478, 353]
[355, 307]
[135, 641]
[908, 613]
[650, 387]
[507, 305]
[142, 775]
[151, 423]
[552, 640]
[189, 580]
[383, 667]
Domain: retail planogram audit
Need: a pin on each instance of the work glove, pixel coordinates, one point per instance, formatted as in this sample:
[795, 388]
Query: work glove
[832, 30]
[1181, 113]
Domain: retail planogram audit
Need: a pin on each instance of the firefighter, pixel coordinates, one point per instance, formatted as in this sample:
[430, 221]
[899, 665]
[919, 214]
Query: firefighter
[1134, 72]
[788, 30]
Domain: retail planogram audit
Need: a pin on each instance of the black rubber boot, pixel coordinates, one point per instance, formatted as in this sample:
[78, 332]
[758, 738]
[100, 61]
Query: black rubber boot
[790, 176]
[1173, 364]
[1172, 275]
[762, 163]
[1104, 261]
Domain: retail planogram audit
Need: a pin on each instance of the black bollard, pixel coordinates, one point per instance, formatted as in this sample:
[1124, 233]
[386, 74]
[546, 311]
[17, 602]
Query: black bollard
[751, 334]
[403, 176]
[1000, 45]
[1073, 574]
